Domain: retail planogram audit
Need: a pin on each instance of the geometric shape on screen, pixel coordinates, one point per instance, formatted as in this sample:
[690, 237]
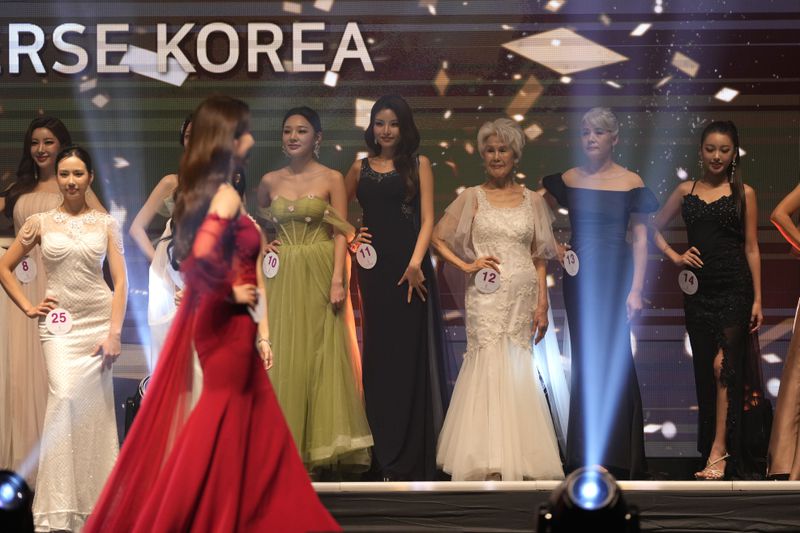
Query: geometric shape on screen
[564, 51]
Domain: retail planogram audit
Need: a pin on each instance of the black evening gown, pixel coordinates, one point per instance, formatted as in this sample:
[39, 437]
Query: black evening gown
[606, 424]
[404, 388]
[717, 317]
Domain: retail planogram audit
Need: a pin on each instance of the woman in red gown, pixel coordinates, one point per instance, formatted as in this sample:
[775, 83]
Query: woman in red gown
[230, 465]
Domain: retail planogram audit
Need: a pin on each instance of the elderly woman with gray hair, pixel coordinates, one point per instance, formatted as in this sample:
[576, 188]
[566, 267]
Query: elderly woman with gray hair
[603, 293]
[498, 425]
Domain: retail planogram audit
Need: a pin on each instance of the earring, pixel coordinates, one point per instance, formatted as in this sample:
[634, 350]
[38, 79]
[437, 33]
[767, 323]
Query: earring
[285, 153]
[316, 149]
[376, 142]
[700, 162]
[733, 170]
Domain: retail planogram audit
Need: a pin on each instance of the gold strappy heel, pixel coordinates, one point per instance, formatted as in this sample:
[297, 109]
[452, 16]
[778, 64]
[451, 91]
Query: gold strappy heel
[711, 472]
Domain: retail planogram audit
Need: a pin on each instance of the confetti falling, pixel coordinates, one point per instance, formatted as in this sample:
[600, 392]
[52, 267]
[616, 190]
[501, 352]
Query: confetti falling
[441, 82]
[145, 63]
[771, 358]
[572, 53]
[331, 79]
[121, 162]
[685, 64]
[554, 5]
[663, 81]
[88, 85]
[525, 98]
[295, 8]
[641, 29]
[726, 94]
[363, 108]
[100, 101]
[323, 5]
[533, 131]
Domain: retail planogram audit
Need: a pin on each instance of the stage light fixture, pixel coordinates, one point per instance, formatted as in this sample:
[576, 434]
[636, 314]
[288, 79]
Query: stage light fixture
[16, 501]
[588, 500]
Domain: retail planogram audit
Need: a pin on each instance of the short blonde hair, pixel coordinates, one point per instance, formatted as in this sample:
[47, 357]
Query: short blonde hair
[602, 117]
[507, 131]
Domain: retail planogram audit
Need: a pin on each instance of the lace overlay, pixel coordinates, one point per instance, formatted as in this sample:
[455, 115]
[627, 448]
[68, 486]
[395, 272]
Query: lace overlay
[498, 420]
[505, 233]
[79, 423]
[717, 319]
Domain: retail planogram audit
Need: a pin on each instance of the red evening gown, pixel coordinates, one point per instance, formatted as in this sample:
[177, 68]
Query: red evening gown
[231, 465]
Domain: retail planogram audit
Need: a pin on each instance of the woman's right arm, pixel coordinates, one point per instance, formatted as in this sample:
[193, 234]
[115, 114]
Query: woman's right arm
[782, 217]
[138, 229]
[16, 252]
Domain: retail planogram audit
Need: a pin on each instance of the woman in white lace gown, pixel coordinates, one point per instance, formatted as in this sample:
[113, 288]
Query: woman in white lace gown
[79, 440]
[498, 425]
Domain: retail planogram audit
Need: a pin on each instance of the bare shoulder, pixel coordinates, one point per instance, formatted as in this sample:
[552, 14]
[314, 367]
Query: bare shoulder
[423, 160]
[632, 179]
[356, 166]
[226, 202]
[272, 177]
[749, 192]
[169, 182]
[333, 176]
[684, 187]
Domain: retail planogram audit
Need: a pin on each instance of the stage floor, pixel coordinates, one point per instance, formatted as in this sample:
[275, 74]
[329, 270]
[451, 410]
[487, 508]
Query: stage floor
[664, 506]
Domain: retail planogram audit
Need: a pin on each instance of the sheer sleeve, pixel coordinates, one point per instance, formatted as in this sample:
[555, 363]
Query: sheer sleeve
[114, 234]
[30, 230]
[544, 242]
[554, 184]
[455, 227]
[643, 200]
[208, 266]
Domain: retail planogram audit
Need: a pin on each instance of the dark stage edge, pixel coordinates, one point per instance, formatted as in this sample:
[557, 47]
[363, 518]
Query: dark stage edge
[664, 506]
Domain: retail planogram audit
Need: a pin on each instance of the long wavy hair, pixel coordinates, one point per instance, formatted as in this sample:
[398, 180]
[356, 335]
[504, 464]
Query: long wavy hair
[207, 162]
[27, 175]
[405, 156]
[726, 127]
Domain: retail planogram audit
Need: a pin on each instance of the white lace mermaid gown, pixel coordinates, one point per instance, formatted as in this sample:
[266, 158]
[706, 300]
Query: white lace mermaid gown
[498, 420]
[79, 441]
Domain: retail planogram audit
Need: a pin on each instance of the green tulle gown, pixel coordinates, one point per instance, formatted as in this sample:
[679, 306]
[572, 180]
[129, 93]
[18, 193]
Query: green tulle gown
[317, 370]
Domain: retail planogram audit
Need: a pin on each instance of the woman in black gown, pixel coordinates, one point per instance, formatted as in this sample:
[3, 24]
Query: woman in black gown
[403, 391]
[604, 200]
[724, 314]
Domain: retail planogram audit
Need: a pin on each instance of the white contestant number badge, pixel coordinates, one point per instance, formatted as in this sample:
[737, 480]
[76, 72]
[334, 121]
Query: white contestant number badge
[688, 282]
[26, 270]
[571, 263]
[59, 321]
[366, 256]
[487, 280]
[271, 265]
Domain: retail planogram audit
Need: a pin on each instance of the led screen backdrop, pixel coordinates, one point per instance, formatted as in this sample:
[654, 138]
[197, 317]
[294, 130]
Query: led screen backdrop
[123, 74]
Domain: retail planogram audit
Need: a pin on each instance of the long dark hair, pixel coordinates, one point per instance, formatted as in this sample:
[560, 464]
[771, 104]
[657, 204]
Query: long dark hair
[726, 127]
[206, 164]
[405, 157]
[27, 173]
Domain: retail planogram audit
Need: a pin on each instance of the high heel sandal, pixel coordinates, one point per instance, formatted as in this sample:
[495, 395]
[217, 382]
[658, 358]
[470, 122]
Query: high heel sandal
[711, 472]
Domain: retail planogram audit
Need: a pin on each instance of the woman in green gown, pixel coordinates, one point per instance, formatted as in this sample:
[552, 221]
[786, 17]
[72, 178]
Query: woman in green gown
[317, 370]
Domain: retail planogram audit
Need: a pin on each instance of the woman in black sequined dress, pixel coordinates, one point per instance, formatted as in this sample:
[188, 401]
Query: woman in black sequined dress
[724, 314]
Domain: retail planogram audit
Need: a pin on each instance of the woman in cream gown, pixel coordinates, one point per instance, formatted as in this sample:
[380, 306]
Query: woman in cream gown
[498, 426]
